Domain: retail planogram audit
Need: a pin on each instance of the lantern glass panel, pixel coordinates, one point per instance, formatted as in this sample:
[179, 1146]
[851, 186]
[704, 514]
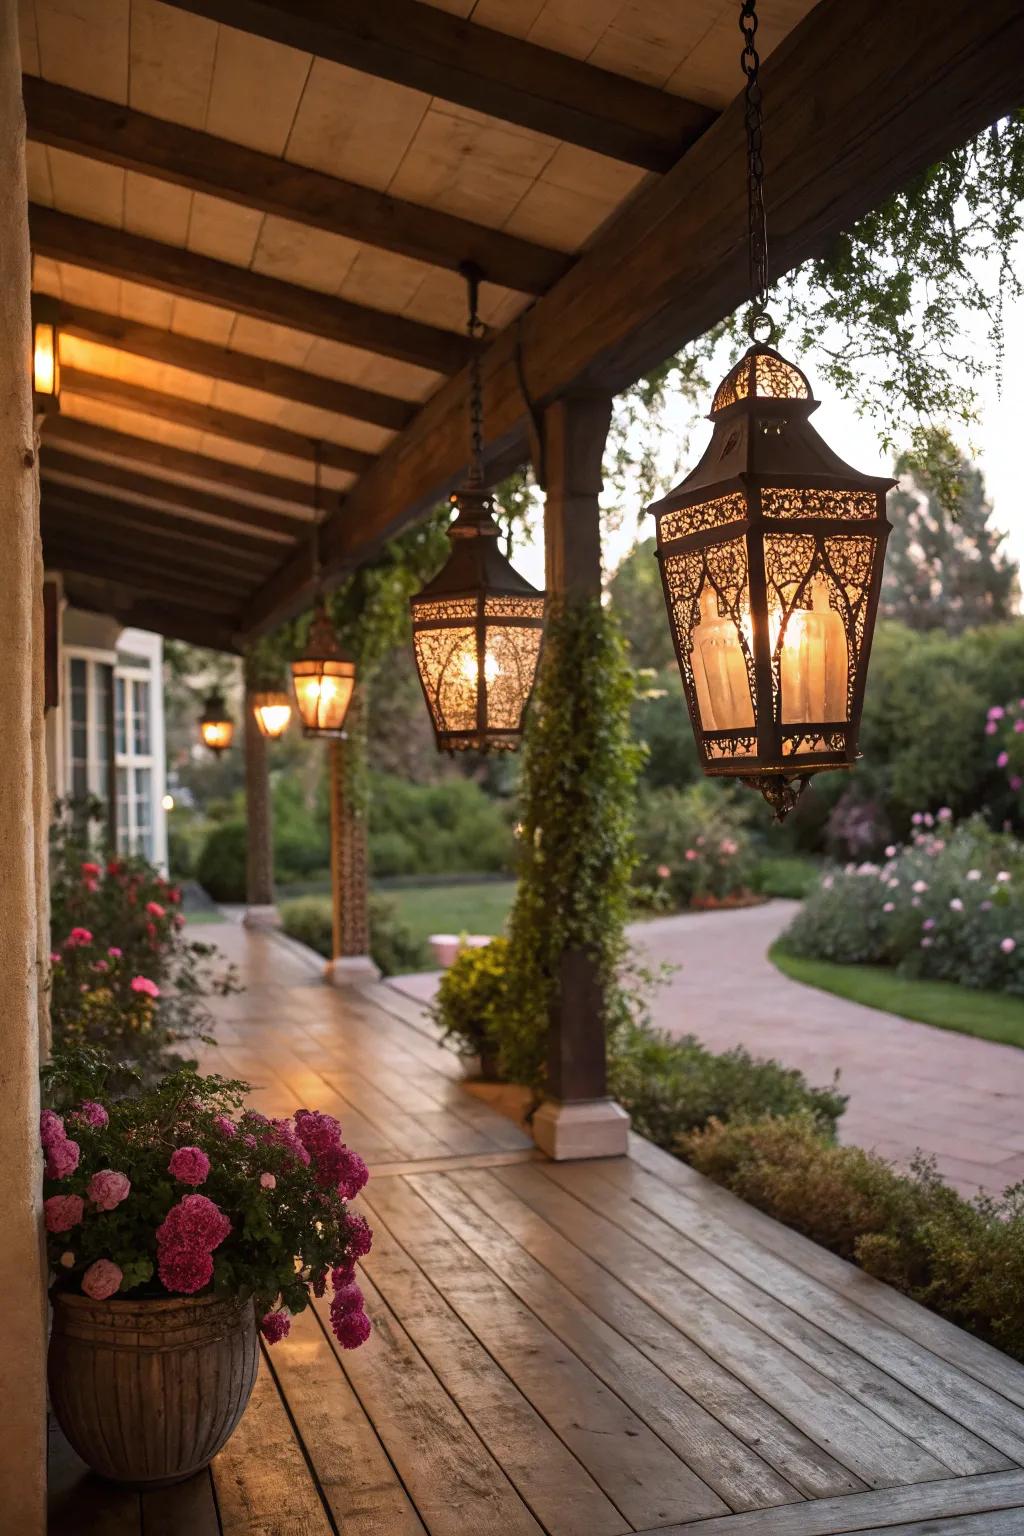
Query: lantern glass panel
[323, 692]
[45, 364]
[449, 667]
[216, 734]
[511, 662]
[273, 712]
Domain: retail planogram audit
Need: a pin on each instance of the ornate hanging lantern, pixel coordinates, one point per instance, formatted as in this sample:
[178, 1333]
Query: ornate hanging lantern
[216, 727]
[45, 355]
[324, 676]
[477, 627]
[273, 712]
[771, 554]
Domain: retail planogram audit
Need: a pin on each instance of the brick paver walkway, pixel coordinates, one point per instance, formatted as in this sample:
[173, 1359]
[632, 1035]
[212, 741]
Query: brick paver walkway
[910, 1086]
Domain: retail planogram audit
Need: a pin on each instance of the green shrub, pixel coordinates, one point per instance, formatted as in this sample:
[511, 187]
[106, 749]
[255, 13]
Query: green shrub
[673, 1086]
[447, 828]
[393, 948]
[787, 876]
[963, 1258]
[220, 868]
[693, 846]
[948, 907]
[472, 1002]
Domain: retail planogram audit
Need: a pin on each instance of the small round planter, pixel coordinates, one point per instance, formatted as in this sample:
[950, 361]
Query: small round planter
[147, 1392]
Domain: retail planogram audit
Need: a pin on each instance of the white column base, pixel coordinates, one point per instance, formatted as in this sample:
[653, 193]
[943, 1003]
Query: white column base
[262, 917]
[350, 970]
[588, 1128]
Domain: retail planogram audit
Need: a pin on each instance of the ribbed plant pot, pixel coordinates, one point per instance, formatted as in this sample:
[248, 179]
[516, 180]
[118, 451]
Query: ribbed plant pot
[147, 1392]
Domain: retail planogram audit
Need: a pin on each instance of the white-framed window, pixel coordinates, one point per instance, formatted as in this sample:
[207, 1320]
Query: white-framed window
[135, 758]
[88, 684]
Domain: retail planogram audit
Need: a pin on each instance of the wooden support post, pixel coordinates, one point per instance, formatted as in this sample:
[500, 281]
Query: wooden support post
[351, 960]
[260, 911]
[22, 1268]
[578, 1119]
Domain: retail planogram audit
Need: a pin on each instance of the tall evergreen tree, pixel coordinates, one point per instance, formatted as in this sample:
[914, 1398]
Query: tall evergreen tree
[946, 570]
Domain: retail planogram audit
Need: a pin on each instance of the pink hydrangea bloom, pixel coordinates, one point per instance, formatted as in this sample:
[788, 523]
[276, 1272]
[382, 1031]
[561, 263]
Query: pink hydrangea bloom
[197, 1219]
[268, 1181]
[51, 1128]
[320, 1134]
[354, 1174]
[144, 985]
[62, 1212]
[184, 1268]
[342, 1275]
[275, 1325]
[78, 936]
[189, 1165]
[108, 1188]
[284, 1135]
[61, 1158]
[348, 1298]
[91, 1113]
[102, 1279]
[360, 1236]
[351, 1329]
[114, 952]
[225, 1126]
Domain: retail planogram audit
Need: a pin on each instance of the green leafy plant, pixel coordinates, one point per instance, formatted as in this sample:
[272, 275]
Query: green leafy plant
[394, 949]
[123, 973]
[125, 1216]
[472, 1002]
[694, 848]
[580, 767]
[963, 1258]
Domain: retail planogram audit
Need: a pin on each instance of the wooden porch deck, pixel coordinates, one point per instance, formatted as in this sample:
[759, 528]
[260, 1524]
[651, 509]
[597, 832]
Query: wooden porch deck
[581, 1350]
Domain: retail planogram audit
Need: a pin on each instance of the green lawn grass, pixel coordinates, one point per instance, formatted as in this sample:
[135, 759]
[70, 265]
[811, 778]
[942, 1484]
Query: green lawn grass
[989, 1015]
[427, 909]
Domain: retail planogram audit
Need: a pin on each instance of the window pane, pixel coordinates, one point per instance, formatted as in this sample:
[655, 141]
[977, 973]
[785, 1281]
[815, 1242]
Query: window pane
[143, 794]
[119, 708]
[140, 713]
[79, 728]
[123, 830]
[102, 679]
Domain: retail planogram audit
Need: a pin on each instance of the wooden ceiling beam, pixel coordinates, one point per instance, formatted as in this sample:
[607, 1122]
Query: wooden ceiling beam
[175, 621]
[675, 261]
[66, 431]
[76, 554]
[104, 130]
[259, 373]
[136, 259]
[506, 77]
[218, 543]
[210, 418]
[210, 573]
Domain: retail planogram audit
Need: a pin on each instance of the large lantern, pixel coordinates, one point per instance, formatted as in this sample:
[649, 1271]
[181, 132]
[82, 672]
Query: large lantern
[216, 727]
[771, 555]
[476, 630]
[477, 627]
[273, 711]
[771, 560]
[324, 677]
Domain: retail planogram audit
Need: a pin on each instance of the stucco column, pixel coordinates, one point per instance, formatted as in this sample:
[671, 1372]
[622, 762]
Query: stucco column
[349, 851]
[22, 1275]
[259, 865]
[578, 1119]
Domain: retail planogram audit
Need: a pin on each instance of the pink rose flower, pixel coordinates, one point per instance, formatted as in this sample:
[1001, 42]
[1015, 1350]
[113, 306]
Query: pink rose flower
[275, 1325]
[155, 909]
[1008, 946]
[91, 1113]
[62, 1212]
[144, 985]
[102, 1279]
[114, 952]
[189, 1165]
[225, 1126]
[62, 1158]
[663, 872]
[268, 1181]
[54, 957]
[108, 1188]
[691, 854]
[351, 1329]
[92, 870]
[76, 937]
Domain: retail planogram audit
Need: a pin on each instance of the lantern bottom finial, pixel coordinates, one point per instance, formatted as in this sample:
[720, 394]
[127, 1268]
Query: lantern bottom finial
[781, 793]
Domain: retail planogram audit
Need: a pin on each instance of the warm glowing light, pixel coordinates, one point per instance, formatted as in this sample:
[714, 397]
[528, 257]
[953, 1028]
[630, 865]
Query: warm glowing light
[273, 712]
[45, 364]
[216, 727]
[168, 802]
[324, 679]
[470, 667]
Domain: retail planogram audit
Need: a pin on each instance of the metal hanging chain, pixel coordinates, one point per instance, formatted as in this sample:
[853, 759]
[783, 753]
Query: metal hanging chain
[475, 330]
[760, 326]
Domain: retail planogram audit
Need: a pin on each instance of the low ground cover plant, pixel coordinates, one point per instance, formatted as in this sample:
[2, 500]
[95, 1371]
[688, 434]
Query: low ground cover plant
[124, 973]
[963, 1258]
[179, 1191]
[947, 906]
[394, 948]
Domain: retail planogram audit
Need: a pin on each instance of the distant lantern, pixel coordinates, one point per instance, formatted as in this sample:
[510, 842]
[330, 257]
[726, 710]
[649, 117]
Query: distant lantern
[771, 556]
[477, 630]
[477, 627]
[324, 677]
[216, 727]
[273, 711]
[45, 355]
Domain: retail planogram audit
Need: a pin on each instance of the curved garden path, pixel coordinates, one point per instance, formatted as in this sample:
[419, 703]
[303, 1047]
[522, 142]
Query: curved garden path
[910, 1085]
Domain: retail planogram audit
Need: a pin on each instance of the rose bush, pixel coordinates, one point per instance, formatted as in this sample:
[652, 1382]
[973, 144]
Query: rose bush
[178, 1191]
[123, 973]
[694, 848]
[948, 905]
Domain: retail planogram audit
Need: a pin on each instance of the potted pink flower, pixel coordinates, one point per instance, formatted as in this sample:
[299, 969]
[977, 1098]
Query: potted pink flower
[179, 1227]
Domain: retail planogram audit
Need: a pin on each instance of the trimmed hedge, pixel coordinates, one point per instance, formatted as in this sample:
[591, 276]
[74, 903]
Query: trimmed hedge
[393, 948]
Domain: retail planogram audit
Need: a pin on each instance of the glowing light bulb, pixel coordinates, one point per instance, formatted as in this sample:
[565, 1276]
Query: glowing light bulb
[44, 360]
[470, 670]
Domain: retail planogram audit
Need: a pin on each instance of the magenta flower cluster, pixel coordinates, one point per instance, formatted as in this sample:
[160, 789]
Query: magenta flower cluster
[185, 1243]
[335, 1165]
[61, 1152]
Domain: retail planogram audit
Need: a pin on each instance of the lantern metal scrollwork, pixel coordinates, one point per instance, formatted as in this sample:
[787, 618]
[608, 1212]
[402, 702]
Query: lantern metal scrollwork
[216, 727]
[771, 554]
[477, 627]
[324, 676]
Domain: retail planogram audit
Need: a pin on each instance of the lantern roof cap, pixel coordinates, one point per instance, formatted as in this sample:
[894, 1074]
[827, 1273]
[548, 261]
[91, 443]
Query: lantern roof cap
[322, 643]
[761, 374]
[477, 564]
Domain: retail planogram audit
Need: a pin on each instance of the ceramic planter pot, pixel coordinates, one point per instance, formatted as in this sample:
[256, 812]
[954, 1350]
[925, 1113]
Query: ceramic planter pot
[147, 1392]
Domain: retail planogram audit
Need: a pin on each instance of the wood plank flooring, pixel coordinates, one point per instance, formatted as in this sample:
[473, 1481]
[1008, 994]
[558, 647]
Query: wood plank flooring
[582, 1349]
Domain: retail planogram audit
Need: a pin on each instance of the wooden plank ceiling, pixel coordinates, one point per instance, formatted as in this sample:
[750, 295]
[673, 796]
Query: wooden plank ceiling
[253, 213]
[253, 216]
